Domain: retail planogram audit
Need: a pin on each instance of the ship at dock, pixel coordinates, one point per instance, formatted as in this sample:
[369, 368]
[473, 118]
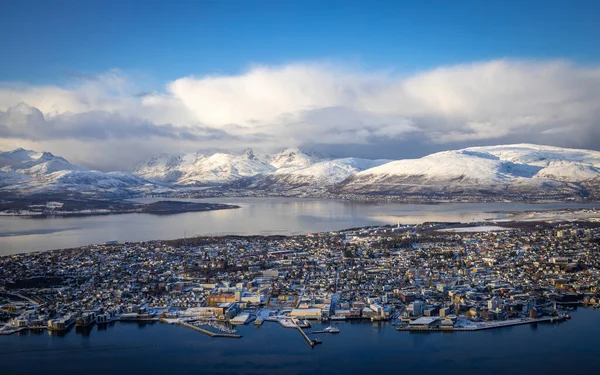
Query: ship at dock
[329, 329]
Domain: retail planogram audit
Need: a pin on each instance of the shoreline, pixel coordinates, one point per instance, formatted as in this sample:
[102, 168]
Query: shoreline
[480, 327]
[158, 208]
[500, 324]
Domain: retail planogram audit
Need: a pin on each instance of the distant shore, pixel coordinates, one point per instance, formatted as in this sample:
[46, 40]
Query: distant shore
[96, 208]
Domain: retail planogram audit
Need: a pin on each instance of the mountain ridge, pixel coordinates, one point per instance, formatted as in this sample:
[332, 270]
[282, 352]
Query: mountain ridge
[517, 170]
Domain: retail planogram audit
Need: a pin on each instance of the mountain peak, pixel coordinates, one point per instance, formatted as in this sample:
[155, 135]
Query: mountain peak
[294, 157]
[249, 154]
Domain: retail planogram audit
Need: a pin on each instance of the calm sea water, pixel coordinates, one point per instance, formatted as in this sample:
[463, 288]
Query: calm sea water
[361, 348]
[256, 216]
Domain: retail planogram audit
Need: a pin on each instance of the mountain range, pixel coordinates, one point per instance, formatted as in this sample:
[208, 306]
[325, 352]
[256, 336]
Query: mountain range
[31, 173]
[520, 171]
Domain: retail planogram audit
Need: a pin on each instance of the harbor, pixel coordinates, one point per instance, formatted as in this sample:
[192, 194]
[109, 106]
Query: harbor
[170, 346]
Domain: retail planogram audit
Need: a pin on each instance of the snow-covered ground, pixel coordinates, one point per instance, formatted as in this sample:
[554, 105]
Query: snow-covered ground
[483, 228]
[555, 215]
[497, 169]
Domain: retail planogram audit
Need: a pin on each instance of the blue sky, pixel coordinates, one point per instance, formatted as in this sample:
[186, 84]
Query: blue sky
[110, 83]
[42, 41]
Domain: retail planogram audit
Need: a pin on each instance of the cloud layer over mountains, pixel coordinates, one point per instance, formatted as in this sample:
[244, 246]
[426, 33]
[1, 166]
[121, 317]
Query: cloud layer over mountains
[106, 122]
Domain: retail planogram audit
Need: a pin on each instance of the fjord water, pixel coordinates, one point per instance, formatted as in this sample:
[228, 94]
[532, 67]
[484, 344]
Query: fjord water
[360, 348]
[257, 216]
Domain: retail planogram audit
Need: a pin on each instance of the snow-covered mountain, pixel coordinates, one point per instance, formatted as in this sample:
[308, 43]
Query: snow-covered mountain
[221, 168]
[24, 172]
[510, 170]
[198, 169]
[162, 168]
[289, 169]
[314, 177]
[293, 158]
[24, 164]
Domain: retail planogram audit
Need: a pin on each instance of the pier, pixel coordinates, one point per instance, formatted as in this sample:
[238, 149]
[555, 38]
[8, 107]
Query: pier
[478, 327]
[209, 333]
[308, 340]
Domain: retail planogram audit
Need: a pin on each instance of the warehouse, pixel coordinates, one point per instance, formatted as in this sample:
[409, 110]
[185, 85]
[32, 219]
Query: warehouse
[306, 313]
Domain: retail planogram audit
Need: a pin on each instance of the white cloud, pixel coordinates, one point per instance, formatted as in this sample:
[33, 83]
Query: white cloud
[301, 103]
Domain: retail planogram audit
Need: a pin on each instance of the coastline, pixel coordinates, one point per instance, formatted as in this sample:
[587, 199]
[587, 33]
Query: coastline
[156, 208]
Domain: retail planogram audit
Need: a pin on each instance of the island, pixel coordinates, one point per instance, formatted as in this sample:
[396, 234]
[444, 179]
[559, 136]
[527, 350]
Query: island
[430, 277]
[56, 207]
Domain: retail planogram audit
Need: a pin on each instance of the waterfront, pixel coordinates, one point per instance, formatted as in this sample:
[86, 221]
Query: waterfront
[257, 216]
[360, 348]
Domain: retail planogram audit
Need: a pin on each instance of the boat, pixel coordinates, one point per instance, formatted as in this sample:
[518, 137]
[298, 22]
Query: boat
[317, 341]
[306, 323]
[331, 329]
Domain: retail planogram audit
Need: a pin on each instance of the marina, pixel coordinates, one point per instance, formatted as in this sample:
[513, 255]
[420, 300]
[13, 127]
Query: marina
[209, 333]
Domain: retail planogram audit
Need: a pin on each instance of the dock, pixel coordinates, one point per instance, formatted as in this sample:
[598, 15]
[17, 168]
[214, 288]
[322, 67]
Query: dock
[11, 331]
[209, 333]
[308, 340]
[478, 327]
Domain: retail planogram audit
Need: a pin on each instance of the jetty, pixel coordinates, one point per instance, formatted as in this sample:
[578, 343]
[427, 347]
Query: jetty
[479, 327]
[308, 340]
[209, 333]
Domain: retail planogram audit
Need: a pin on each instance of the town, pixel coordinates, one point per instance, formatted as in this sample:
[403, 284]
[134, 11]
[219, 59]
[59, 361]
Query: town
[426, 277]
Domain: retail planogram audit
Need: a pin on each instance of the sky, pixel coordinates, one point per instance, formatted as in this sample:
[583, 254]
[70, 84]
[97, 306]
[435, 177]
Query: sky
[108, 84]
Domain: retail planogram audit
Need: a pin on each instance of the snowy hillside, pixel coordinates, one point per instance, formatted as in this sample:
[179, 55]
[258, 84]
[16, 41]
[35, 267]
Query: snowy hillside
[22, 165]
[511, 169]
[198, 169]
[220, 168]
[318, 176]
[293, 158]
[82, 182]
[28, 172]
[162, 168]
